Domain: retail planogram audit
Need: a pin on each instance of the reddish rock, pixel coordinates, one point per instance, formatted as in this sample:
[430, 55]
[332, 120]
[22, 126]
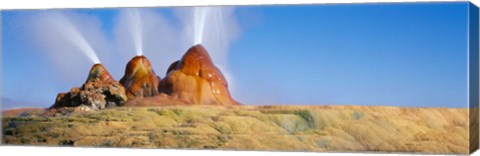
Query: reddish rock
[99, 72]
[195, 80]
[98, 92]
[140, 80]
[158, 100]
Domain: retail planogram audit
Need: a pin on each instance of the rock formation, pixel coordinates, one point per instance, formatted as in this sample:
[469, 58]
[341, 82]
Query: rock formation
[192, 80]
[98, 92]
[195, 80]
[140, 80]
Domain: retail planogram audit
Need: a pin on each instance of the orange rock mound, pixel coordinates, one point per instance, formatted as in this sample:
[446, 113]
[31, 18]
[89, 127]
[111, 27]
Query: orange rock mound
[196, 80]
[140, 80]
[99, 72]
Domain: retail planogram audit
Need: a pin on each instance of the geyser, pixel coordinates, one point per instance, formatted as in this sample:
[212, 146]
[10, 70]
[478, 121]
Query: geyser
[199, 15]
[135, 21]
[98, 92]
[211, 26]
[140, 80]
[214, 28]
[196, 80]
[71, 34]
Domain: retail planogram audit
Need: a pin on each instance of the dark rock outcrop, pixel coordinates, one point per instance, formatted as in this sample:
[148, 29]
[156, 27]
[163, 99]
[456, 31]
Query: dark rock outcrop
[98, 92]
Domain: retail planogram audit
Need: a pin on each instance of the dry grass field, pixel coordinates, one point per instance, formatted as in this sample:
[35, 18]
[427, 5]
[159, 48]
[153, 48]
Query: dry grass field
[286, 128]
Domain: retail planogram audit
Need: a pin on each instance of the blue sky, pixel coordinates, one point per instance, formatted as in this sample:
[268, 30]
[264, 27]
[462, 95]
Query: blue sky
[410, 54]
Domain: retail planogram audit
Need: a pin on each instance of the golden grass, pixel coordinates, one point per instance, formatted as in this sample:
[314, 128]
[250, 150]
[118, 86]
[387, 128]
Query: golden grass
[287, 128]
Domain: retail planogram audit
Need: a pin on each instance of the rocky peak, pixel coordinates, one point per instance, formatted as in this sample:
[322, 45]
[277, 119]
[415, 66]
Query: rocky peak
[139, 79]
[98, 92]
[197, 80]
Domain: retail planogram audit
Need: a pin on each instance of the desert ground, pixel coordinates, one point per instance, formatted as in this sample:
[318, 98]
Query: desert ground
[272, 128]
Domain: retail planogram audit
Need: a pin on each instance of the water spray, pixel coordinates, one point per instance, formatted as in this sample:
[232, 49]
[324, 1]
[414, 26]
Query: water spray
[200, 16]
[214, 28]
[133, 16]
[70, 32]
